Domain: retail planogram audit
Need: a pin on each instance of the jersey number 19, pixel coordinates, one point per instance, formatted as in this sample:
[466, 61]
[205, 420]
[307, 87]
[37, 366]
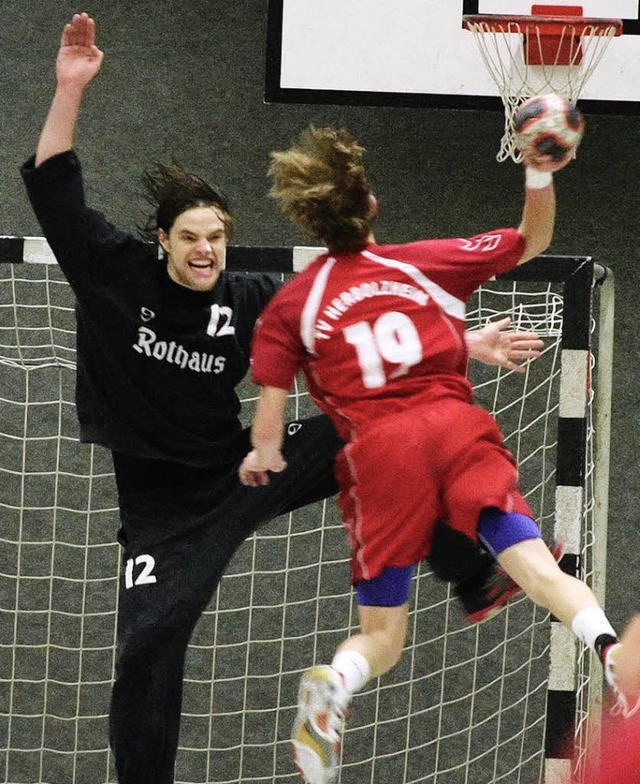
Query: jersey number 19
[393, 338]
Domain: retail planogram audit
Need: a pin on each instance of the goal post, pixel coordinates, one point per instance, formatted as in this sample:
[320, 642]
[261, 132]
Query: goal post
[510, 701]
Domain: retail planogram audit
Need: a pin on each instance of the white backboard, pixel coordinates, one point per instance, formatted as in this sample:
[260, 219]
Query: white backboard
[417, 53]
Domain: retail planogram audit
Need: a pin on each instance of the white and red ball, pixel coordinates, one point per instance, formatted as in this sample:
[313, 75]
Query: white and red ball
[549, 125]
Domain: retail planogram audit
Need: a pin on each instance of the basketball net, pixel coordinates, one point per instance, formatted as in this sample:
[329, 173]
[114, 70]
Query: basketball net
[533, 55]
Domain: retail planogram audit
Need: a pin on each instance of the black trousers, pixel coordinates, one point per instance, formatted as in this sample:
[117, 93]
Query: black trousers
[180, 527]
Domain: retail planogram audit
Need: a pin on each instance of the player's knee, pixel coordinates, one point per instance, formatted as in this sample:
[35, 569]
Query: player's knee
[145, 648]
[551, 583]
[389, 642]
[543, 584]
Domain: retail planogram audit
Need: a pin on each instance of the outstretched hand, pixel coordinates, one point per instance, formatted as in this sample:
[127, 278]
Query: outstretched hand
[79, 59]
[493, 345]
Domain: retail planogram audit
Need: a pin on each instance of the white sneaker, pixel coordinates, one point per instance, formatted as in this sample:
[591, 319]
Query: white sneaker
[626, 704]
[322, 700]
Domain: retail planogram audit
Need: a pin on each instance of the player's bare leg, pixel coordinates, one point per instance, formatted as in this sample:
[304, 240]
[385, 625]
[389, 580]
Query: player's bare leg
[384, 630]
[533, 567]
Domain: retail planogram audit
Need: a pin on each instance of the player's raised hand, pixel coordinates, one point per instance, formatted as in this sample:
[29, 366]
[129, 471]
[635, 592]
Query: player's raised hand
[545, 163]
[79, 59]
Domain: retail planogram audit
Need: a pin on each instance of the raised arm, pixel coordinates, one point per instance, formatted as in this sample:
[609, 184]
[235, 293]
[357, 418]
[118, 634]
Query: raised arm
[79, 60]
[539, 212]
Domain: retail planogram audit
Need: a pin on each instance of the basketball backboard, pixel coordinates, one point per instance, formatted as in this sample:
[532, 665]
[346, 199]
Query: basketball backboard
[417, 53]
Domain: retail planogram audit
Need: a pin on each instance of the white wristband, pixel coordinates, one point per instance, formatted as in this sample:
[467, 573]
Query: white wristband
[536, 179]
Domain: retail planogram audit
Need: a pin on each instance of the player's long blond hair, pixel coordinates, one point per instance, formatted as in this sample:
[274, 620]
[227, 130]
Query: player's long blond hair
[321, 185]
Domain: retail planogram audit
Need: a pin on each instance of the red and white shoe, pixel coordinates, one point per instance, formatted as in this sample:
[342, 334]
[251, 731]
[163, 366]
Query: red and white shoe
[317, 731]
[482, 602]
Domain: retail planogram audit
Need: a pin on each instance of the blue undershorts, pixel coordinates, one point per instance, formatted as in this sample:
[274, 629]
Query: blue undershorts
[498, 530]
[389, 589]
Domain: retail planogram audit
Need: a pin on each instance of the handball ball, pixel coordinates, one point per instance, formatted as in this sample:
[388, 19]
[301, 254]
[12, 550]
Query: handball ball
[550, 125]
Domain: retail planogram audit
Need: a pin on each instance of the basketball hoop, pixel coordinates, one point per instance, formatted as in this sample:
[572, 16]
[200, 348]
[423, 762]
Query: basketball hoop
[556, 49]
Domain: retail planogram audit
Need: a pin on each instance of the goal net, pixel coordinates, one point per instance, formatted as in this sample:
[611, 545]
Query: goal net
[503, 702]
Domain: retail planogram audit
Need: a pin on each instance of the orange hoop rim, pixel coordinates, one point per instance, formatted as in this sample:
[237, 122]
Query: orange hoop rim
[549, 25]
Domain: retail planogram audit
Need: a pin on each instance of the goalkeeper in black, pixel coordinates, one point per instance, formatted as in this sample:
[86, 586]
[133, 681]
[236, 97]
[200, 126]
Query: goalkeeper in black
[162, 345]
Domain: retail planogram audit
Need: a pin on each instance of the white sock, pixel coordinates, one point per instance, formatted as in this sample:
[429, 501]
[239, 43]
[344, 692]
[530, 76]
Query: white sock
[589, 624]
[353, 668]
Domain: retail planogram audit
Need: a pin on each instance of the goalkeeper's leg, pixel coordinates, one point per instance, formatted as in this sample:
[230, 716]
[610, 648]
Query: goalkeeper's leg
[158, 609]
[181, 526]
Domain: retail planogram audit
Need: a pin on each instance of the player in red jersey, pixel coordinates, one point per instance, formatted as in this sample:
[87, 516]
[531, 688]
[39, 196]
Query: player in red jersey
[379, 332]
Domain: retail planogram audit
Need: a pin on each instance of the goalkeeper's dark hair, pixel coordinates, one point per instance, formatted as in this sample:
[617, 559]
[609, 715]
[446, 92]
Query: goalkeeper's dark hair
[169, 190]
[321, 185]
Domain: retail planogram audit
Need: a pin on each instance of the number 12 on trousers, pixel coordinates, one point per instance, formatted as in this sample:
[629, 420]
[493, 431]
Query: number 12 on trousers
[144, 576]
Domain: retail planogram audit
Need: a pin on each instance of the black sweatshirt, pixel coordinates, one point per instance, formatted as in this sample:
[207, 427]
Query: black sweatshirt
[150, 381]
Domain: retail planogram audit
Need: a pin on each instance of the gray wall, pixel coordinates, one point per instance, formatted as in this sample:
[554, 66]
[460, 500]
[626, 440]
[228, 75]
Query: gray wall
[184, 80]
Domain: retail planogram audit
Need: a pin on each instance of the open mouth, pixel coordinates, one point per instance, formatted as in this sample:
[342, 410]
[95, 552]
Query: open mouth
[202, 268]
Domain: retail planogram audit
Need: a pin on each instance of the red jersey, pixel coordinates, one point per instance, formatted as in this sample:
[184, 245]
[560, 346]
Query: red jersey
[380, 330]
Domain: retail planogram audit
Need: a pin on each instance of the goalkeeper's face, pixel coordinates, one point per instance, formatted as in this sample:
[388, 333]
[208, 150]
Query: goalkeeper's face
[196, 246]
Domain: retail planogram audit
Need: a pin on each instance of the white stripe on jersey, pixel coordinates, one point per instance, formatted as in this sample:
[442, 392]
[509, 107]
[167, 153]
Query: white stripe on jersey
[450, 304]
[311, 306]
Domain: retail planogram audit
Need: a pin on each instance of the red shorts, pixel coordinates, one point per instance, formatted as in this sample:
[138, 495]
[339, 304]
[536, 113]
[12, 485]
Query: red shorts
[445, 460]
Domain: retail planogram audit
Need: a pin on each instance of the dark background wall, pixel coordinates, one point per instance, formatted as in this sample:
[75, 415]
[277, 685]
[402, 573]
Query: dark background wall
[184, 80]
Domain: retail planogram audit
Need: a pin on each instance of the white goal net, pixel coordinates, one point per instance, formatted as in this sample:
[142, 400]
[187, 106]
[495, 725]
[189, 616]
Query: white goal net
[466, 705]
